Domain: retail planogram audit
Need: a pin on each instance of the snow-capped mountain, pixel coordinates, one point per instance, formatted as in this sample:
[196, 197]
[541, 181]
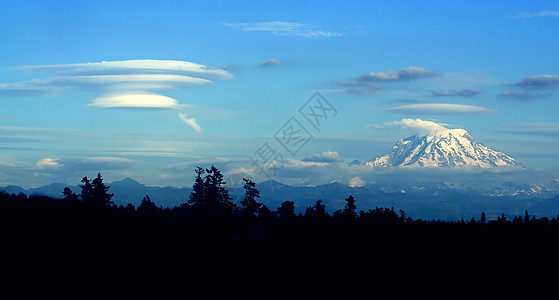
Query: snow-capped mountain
[444, 148]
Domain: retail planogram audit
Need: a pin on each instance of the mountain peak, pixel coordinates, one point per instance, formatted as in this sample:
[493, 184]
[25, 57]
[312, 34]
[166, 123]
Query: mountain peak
[447, 132]
[129, 182]
[443, 148]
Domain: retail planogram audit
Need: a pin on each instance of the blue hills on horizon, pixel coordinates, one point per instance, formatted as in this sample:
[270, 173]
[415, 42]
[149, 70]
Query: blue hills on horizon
[428, 202]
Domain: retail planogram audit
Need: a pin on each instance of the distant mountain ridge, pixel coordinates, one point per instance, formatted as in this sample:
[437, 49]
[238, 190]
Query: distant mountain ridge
[428, 201]
[444, 148]
[125, 191]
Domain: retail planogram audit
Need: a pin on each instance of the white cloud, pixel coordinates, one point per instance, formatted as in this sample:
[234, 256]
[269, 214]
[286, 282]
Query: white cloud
[325, 157]
[284, 28]
[48, 163]
[295, 163]
[356, 182]
[134, 100]
[190, 122]
[416, 125]
[440, 109]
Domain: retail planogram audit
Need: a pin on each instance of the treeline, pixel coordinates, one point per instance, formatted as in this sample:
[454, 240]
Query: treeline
[210, 227]
[210, 198]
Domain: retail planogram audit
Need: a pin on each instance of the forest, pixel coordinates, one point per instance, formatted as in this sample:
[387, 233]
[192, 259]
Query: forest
[208, 228]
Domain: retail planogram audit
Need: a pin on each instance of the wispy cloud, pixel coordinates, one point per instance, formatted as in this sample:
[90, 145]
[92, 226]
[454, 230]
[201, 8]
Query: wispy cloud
[542, 129]
[284, 28]
[190, 122]
[525, 96]
[440, 109]
[357, 87]
[409, 73]
[31, 88]
[269, 63]
[545, 13]
[71, 165]
[466, 92]
[539, 82]
[121, 84]
[370, 82]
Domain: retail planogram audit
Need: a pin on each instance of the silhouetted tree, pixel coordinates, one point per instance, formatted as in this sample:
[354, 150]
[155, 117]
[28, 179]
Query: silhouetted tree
[129, 208]
[502, 218]
[286, 210]
[526, 217]
[380, 215]
[249, 205]
[216, 195]
[99, 193]
[87, 190]
[198, 194]
[349, 209]
[318, 210]
[264, 212]
[350, 206]
[208, 194]
[402, 216]
[147, 207]
[69, 195]
[483, 219]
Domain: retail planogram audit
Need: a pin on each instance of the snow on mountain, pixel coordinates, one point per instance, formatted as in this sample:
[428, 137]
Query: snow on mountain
[443, 148]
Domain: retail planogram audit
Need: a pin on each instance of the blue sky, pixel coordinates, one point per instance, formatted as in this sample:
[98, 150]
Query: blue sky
[149, 90]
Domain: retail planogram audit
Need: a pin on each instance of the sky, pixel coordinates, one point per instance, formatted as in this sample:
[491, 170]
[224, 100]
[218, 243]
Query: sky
[149, 90]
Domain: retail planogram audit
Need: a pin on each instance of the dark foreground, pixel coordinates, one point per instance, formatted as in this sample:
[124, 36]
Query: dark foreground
[44, 230]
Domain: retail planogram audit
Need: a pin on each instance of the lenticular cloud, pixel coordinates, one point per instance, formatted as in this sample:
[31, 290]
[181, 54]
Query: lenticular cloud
[120, 84]
[419, 126]
[141, 66]
[129, 100]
